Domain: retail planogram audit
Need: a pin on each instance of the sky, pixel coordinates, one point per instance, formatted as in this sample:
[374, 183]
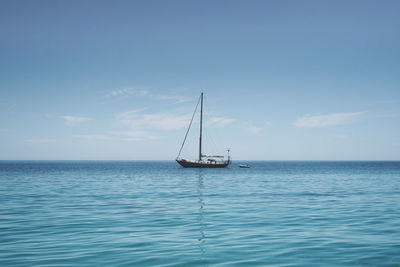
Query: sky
[119, 80]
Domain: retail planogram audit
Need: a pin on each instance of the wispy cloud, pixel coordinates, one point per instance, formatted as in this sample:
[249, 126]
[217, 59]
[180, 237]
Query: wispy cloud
[119, 92]
[219, 121]
[387, 114]
[91, 136]
[255, 130]
[176, 98]
[249, 127]
[35, 141]
[127, 92]
[157, 121]
[124, 92]
[327, 120]
[389, 101]
[133, 135]
[268, 123]
[72, 120]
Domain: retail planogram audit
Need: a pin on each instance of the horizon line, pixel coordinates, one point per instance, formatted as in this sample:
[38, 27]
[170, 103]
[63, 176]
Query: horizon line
[272, 160]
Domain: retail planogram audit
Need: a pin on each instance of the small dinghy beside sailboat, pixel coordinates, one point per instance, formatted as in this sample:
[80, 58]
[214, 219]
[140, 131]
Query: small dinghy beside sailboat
[204, 161]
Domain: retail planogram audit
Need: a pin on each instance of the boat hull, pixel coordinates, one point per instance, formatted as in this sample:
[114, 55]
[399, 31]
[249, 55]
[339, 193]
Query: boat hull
[202, 164]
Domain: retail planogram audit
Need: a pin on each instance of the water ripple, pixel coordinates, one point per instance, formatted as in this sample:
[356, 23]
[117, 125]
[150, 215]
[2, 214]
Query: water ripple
[158, 214]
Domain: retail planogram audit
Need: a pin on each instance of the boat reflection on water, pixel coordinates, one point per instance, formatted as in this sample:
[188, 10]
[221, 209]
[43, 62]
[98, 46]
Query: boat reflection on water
[200, 217]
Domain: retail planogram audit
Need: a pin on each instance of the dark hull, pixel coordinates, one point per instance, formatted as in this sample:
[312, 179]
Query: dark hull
[191, 164]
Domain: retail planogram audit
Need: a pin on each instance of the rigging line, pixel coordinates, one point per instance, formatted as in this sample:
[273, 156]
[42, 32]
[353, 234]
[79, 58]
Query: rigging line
[190, 124]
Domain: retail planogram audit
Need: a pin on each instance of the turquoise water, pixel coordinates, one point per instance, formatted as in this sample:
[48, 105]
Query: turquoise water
[80, 213]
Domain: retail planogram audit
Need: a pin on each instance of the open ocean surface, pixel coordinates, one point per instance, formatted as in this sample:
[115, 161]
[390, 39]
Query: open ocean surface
[155, 213]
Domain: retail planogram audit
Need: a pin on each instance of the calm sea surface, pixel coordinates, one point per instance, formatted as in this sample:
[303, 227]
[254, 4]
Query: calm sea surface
[104, 213]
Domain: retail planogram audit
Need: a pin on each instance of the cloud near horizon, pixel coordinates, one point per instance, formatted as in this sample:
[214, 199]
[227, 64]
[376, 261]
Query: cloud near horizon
[35, 141]
[317, 121]
[133, 135]
[255, 130]
[219, 121]
[91, 136]
[156, 121]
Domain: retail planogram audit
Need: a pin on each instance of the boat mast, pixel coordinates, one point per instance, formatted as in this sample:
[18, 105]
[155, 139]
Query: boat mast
[201, 124]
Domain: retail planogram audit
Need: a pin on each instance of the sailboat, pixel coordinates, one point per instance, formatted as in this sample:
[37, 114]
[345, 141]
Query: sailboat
[204, 161]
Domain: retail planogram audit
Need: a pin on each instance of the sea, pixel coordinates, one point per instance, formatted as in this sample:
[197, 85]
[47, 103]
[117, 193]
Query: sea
[156, 213]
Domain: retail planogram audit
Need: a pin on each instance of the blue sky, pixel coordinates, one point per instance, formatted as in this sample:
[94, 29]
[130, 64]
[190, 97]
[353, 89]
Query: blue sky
[283, 80]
